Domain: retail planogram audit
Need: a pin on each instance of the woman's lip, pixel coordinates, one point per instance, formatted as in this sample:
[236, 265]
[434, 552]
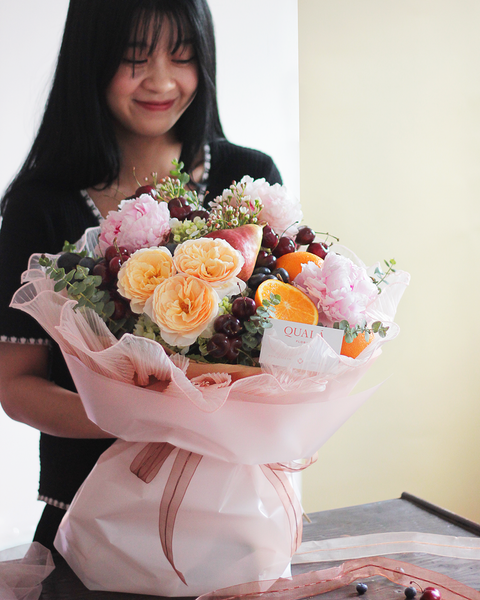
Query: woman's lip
[155, 106]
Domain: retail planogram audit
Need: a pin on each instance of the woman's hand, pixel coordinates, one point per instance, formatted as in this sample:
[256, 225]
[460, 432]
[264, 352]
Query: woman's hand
[28, 396]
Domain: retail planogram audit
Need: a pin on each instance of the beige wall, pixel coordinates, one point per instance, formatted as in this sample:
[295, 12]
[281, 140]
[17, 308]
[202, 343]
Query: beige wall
[390, 162]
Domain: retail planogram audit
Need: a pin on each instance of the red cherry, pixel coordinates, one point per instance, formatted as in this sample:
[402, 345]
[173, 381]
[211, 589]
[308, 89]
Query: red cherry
[115, 264]
[110, 252]
[285, 246]
[120, 310]
[319, 249]
[305, 236]
[101, 269]
[265, 259]
[269, 237]
[232, 353]
[179, 208]
[146, 189]
[430, 593]
[203, 214]
[218, 345]
[244, 307]
[227, 324]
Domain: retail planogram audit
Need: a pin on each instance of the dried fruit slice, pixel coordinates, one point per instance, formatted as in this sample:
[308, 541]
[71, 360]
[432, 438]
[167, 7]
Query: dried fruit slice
[293, 262]
[294, 304]
[354, 348]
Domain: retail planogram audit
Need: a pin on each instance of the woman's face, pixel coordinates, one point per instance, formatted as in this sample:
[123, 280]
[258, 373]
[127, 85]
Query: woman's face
[151, 91]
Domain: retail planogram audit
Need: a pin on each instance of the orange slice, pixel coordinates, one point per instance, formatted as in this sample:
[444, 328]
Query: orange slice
[293, 261]
[294, 305]
[354, 348]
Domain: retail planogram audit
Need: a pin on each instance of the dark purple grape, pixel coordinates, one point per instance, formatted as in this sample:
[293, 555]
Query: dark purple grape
[269, 238]
[264, 270]
[285, 246]
[244, 307]
[179, 208]
[266, 259]
[227, 324]
[218, 345]
[282, 274]
[87, 262]
[68, 261]
[305, 236]
[256, 280]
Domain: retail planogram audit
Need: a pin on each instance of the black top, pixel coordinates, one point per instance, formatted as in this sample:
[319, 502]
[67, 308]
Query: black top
[40, 219]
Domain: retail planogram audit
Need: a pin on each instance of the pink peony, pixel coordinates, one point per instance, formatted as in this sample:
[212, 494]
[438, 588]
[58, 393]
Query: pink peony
[340, 289]
[139, 223]
[281, 210]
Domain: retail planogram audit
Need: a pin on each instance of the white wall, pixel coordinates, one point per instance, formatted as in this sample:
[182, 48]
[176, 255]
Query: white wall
[258, 95]
[390, 155]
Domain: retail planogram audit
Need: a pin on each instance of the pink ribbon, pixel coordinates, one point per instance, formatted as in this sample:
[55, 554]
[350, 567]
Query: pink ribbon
[150, 460]
[313, 583]
[146, 465]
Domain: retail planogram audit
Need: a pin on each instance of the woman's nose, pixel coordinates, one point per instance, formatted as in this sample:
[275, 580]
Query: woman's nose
[160, 77]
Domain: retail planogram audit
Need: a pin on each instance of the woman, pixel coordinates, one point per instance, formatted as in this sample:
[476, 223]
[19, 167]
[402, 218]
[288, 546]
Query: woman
[134, 88]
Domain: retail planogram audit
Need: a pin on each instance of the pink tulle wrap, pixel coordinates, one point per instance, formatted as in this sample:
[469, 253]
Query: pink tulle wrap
[195, 495]
[22, 570]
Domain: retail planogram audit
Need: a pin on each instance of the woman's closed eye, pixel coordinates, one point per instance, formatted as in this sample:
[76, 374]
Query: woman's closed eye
[184, 55]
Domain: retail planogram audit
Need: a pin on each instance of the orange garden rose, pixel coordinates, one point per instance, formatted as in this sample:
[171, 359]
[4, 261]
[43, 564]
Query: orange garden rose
[212, 260]
[142, 273]
[183, 307]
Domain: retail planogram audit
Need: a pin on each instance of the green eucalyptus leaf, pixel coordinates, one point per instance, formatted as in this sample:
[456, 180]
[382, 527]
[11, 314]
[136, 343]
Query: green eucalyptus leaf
[250, 327]
[60, 285]
[109, 309]
[82, 301]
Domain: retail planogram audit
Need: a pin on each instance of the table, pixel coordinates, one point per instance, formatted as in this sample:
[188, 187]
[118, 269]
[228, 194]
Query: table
[407, 513]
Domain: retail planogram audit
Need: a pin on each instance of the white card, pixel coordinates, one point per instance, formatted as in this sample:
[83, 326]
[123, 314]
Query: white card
[295, 335]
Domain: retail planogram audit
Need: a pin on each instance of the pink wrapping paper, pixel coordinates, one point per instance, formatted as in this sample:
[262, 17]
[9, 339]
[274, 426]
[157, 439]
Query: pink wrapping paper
[193, 498]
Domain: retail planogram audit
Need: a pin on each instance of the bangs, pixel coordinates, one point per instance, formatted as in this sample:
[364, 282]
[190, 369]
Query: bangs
[147, 27]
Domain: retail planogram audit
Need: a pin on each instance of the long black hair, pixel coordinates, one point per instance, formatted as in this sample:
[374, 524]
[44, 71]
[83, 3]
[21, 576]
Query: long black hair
[76, 147]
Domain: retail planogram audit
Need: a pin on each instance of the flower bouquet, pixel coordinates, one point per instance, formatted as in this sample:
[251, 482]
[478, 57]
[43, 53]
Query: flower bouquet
[220, 354]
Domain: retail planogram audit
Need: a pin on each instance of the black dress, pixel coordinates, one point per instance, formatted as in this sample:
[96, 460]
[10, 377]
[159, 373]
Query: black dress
[40, 219]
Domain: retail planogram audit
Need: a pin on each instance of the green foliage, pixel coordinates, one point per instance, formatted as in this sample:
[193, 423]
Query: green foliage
[350, 333]
[380, 277]
[68, 247]
[256, 326]
[189, 230]
[84, 288]
[174, 186]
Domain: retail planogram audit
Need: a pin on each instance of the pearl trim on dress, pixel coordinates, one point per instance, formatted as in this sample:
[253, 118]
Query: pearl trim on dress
[53, 502]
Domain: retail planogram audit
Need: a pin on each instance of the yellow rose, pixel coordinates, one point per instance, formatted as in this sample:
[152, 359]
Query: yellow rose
[182, 307]
[212, 260]
[142, 273]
